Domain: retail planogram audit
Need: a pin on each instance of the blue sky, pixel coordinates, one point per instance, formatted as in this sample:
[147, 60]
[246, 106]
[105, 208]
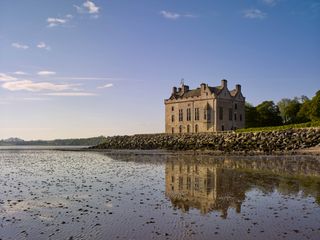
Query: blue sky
[77, 68]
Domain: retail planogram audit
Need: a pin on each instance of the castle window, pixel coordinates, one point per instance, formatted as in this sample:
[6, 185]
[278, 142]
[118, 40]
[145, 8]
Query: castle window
[196, 183]
[172, 118]
[221, 113]
[188, 183]
[172, 130]
[188, 114]
[172, 179]
[205, 114]
[196, 128]
[230, 114]
[180, 115]
[196, 114]
[180, 129]
[172, 109]
[240, 117]
[235, 106]
[235, 117]
[180, 183]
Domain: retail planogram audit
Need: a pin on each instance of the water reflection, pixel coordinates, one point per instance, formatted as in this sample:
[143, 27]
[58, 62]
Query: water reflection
[219, 184]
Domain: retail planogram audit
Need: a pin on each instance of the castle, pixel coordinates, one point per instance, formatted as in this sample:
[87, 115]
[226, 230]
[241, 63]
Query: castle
[205, 109]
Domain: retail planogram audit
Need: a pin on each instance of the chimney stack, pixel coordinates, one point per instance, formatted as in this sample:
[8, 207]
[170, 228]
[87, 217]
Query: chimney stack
[224, 83]
[174, 90]
[238, 88]
[203, 87]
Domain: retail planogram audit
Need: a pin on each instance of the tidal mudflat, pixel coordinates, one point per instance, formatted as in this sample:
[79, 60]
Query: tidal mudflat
[50, 194]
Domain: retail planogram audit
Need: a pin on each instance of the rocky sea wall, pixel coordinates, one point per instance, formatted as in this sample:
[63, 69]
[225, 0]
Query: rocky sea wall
[266, 142]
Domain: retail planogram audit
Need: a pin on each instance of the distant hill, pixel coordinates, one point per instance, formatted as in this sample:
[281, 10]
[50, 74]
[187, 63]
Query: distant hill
[57, 142]
[13, 140]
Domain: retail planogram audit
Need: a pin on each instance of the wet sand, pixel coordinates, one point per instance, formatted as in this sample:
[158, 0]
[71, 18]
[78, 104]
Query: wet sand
[48, 194]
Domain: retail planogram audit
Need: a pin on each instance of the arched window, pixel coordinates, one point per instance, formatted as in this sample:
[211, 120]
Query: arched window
[188, 129]
[196, 128]
[180, 129]
[172, 130]
[222, 128]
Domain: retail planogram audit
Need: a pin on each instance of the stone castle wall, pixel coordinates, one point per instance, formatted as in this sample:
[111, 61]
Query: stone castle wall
[266, 142]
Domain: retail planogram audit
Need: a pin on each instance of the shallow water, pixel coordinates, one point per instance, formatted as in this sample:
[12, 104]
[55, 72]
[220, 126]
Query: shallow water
[49, 194]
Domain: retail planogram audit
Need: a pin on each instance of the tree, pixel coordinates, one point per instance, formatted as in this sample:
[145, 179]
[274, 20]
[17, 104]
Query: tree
[289, 109]
[268, 114]
[314, 111]
[251, 116]
[282, 105]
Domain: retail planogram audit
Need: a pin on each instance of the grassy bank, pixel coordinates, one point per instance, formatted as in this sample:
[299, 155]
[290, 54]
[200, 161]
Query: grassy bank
[277, 128]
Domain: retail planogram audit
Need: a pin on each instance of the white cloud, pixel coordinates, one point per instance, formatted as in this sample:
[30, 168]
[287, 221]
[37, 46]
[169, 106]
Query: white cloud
[254, 14]
[20, 46]
[43, 46]
[20, 73]
[170, 15]
[28, 85]
[91, 7]
[46, 73]
[88, 7]
[108, 85]
[71, 94]
[52, 22]
[5, 77]
[69, 16]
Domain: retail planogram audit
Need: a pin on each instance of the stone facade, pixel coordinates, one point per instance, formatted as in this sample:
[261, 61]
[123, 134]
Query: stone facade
[205, 109]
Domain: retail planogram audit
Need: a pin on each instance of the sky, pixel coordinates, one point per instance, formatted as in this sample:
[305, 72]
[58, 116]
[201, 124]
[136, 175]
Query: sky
[77, 68]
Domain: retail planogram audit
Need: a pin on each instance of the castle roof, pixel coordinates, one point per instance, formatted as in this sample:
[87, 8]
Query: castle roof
[185, 92]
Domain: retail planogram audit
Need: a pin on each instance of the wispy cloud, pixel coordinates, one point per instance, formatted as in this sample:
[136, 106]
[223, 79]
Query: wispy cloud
[170, 15]
[174, 15]
[254, 14]
[36, 99]
[270, 2]
[89, 78]
[52, 22]
[46, 73]
[28, 85]
[71, 94]
[5, 77]
[108, 85]
[19, 46]
[20, 73]
[43, 45]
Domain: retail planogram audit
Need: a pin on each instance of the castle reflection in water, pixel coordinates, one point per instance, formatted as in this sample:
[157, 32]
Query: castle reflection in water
[220, 185]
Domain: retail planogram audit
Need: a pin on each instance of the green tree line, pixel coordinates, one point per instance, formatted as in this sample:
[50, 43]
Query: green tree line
[286, 111]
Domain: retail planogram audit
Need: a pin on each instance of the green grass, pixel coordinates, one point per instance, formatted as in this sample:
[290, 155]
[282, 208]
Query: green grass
[277, 128]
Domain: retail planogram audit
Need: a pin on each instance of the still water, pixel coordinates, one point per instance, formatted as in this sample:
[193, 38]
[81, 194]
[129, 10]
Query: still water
[50, 194]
